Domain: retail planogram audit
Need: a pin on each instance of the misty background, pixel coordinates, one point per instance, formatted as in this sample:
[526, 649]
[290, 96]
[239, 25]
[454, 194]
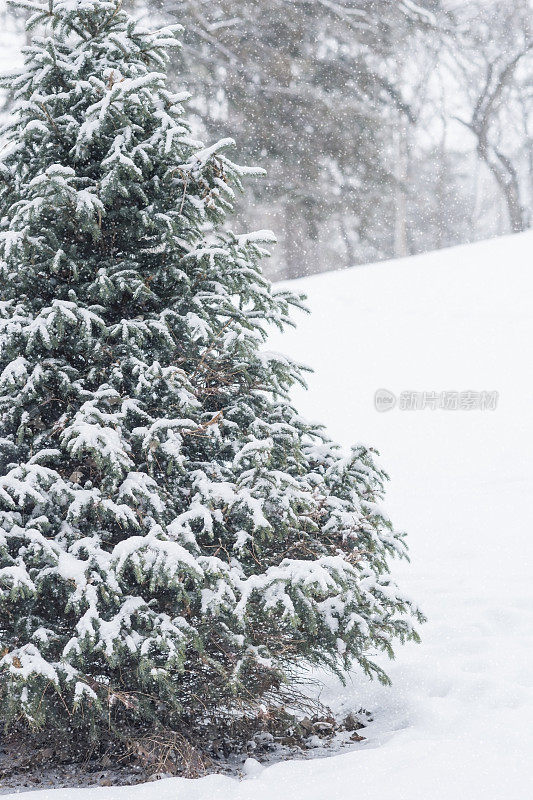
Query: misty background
[387, 127]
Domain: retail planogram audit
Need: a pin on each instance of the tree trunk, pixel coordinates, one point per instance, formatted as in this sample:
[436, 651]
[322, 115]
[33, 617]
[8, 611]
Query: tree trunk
[505, 175]
[400, 200]
[295, 266]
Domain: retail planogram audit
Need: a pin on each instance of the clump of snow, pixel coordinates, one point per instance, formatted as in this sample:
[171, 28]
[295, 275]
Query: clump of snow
[252, 768]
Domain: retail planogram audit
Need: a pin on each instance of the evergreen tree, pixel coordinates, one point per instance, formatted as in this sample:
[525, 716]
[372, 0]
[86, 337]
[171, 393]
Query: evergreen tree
[175, 538]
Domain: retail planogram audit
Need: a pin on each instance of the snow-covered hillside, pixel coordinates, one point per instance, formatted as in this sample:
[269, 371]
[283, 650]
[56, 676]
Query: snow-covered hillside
[457, 722]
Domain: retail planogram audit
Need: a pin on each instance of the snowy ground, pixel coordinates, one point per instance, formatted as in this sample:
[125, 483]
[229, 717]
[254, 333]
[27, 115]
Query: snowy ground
[457, 722]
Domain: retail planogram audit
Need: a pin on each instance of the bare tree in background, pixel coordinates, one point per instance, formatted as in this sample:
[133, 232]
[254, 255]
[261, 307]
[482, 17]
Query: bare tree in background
[496, 63]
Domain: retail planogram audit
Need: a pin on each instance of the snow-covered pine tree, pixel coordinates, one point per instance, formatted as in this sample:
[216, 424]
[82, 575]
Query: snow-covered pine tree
[175, 539]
